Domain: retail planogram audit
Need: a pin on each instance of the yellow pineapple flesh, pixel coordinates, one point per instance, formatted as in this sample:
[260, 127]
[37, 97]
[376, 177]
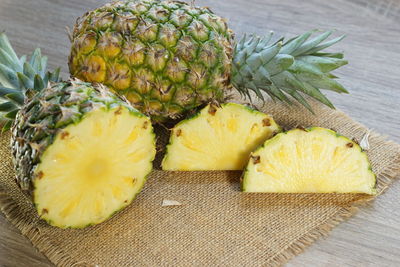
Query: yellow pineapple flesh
[218, 138]
[313, 160]
[94, 168]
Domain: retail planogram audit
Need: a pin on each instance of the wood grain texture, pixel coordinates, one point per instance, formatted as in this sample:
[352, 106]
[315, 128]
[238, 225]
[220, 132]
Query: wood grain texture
[371, 238]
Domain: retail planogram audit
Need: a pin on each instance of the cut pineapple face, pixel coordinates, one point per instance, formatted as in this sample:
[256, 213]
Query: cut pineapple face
[218, 138]
[94, 168]
[314, 160]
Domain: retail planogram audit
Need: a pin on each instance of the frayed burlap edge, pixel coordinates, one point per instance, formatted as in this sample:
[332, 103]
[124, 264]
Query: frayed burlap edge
[299, 245]
[387, 176]
[13, 213]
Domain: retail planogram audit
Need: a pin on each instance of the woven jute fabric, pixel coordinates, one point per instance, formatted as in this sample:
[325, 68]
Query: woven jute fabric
[216, 225]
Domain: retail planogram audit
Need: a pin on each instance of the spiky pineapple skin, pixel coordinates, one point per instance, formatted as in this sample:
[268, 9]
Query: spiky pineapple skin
[165, 57]
[45, 115]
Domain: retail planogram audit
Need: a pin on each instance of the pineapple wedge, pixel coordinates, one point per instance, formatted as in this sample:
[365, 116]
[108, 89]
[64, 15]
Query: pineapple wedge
[313, 160]
[218, 138]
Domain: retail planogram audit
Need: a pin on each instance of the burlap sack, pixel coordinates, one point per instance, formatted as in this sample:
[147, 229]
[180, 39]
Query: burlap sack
[216, 225]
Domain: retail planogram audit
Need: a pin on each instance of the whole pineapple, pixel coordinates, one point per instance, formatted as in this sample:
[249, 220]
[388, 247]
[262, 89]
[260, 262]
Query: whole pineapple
[80, 152]
[170, 57]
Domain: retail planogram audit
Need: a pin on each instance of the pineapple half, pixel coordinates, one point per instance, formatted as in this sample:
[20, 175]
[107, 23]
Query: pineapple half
[81, 153]
[313, 160]
[218, 138]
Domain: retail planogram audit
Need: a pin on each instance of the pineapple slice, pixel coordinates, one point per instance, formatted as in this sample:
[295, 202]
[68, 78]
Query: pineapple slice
[94, 168]
[218, 138]
[313, 160]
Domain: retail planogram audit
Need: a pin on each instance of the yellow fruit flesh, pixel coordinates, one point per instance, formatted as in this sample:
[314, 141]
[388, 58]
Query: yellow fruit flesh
[317, 161]
[220, 140]
[94, 168]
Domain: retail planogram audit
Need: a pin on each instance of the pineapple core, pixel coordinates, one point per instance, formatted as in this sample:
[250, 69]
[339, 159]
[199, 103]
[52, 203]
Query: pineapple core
[314, 160]
[94, 168]
[218, 138]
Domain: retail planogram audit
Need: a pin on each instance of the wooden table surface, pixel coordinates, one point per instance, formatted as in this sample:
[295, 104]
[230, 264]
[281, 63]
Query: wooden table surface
[370, 238]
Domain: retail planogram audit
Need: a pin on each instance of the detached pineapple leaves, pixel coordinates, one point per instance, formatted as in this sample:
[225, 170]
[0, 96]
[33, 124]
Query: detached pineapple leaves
[297, 65]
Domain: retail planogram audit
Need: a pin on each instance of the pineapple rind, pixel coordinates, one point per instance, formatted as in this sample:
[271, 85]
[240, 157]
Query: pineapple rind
[173, 162]
[247, 180]
[165, 67]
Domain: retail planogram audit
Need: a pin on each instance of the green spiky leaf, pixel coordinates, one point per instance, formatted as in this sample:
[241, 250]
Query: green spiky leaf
[8, 77]
[17, 98]
[24, 81]
[11, 115]
[7, 107]
[38, 83]
[296, 67]
[5, 91]
[19, 76]
[7, 126]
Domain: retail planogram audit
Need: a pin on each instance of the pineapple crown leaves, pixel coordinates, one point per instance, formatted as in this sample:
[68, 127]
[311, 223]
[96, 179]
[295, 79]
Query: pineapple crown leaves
[20, 79]
[284, 69]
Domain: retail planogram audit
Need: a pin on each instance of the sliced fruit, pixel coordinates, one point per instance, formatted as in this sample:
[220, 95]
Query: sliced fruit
[218, 138]
[313, 160]
[81, 153]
